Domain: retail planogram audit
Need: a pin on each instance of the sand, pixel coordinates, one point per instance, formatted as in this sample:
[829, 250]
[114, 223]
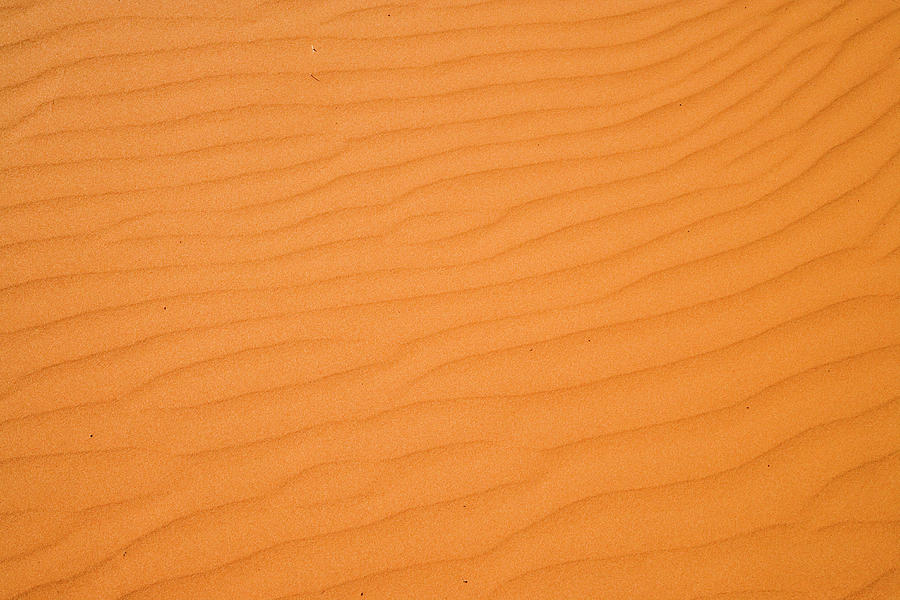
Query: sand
[450, 299]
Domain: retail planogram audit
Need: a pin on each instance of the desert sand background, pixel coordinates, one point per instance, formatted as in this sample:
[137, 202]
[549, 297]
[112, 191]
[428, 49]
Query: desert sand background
[503, 299]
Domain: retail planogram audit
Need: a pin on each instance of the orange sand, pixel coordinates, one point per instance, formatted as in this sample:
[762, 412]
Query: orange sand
[513, 299]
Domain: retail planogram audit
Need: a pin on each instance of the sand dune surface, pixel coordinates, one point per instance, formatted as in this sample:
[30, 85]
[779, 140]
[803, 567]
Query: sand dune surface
[450, 299]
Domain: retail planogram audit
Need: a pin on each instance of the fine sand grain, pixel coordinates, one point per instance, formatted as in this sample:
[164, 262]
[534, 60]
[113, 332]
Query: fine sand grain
[450, 299]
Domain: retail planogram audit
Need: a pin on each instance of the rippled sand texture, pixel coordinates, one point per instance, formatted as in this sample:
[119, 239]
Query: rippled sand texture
[518, 299]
